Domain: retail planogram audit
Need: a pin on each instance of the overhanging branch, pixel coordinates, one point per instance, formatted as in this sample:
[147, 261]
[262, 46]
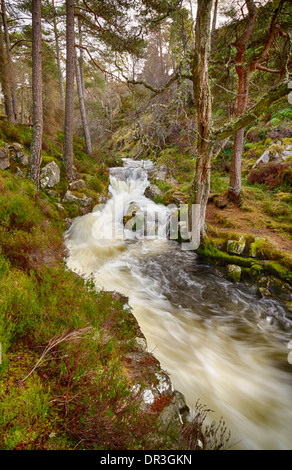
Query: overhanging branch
[252, 113]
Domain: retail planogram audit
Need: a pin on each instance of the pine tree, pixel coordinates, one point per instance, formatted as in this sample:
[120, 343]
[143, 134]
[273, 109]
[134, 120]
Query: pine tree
[37, 118]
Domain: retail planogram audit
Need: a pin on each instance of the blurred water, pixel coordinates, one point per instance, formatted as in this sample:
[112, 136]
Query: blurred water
[219, 342]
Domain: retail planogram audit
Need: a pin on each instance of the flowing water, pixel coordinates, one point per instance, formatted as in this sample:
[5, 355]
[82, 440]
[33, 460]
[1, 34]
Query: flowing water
[219, 342]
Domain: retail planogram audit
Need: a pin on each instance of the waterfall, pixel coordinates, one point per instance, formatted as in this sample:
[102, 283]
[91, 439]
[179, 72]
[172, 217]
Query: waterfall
[218, 341]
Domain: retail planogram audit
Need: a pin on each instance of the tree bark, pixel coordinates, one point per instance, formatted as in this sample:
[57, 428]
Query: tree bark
[58, 56]
[37, 116]
[83, 112]
[81, 90]
[244, 72]
[234, 189]
[203, 103]
[10, 69]
[69, 103]
[5, 82]
[81, 59]
[214, 22]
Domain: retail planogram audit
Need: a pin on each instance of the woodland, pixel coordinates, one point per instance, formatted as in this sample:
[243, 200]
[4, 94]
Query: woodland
[203, 90]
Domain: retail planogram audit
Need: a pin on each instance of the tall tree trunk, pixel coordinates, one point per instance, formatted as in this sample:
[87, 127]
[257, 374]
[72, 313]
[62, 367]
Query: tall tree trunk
[83, 109]
[234, 189]
[203, 103]
[37, 116]
[4, 78]
[58, 56]
[81, 59]
[69, 103]
[81, 91]
[243, 73]
[214, 23]
[10, 69]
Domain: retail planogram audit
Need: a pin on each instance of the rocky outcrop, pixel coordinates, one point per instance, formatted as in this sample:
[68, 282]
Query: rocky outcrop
[258, 264]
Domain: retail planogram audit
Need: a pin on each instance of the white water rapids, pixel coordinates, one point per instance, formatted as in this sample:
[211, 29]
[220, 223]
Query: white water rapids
[219, 342]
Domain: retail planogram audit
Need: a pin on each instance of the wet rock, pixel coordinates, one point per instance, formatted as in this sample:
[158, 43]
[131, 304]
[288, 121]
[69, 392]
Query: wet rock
[174, 412]
[78, 184]
[233, 272]
[102, 199]
[4, 160]
[152, 191]
[68, 223]
[50, 175]
[141, 343]
[236, 247]
[133, 209]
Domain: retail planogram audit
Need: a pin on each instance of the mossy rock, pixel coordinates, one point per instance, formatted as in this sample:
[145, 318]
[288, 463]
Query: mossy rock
[236, 246]
[256, 248]
[233, 272]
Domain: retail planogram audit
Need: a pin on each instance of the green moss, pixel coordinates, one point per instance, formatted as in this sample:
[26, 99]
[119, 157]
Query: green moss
[208, 251]
[233, 272]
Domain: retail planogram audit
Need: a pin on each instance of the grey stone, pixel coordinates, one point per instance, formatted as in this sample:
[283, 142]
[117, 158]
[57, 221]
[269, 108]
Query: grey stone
[16, 146]
[264, 159]
[84, 200]
[70, 197]
[4, 160]
[141, 343]
[286, 153]
[19, 173]
[78, 184]
[50, 175]
[24, 159]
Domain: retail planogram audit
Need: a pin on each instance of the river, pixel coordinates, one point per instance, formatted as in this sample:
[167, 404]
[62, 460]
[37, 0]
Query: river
[220, 343]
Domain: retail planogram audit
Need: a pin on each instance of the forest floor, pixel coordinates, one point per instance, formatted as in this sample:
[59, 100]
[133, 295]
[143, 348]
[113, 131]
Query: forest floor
[254, 223]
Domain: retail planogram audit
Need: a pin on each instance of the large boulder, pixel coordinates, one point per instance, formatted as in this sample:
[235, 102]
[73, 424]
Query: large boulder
[50, 175]
[4, 160]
